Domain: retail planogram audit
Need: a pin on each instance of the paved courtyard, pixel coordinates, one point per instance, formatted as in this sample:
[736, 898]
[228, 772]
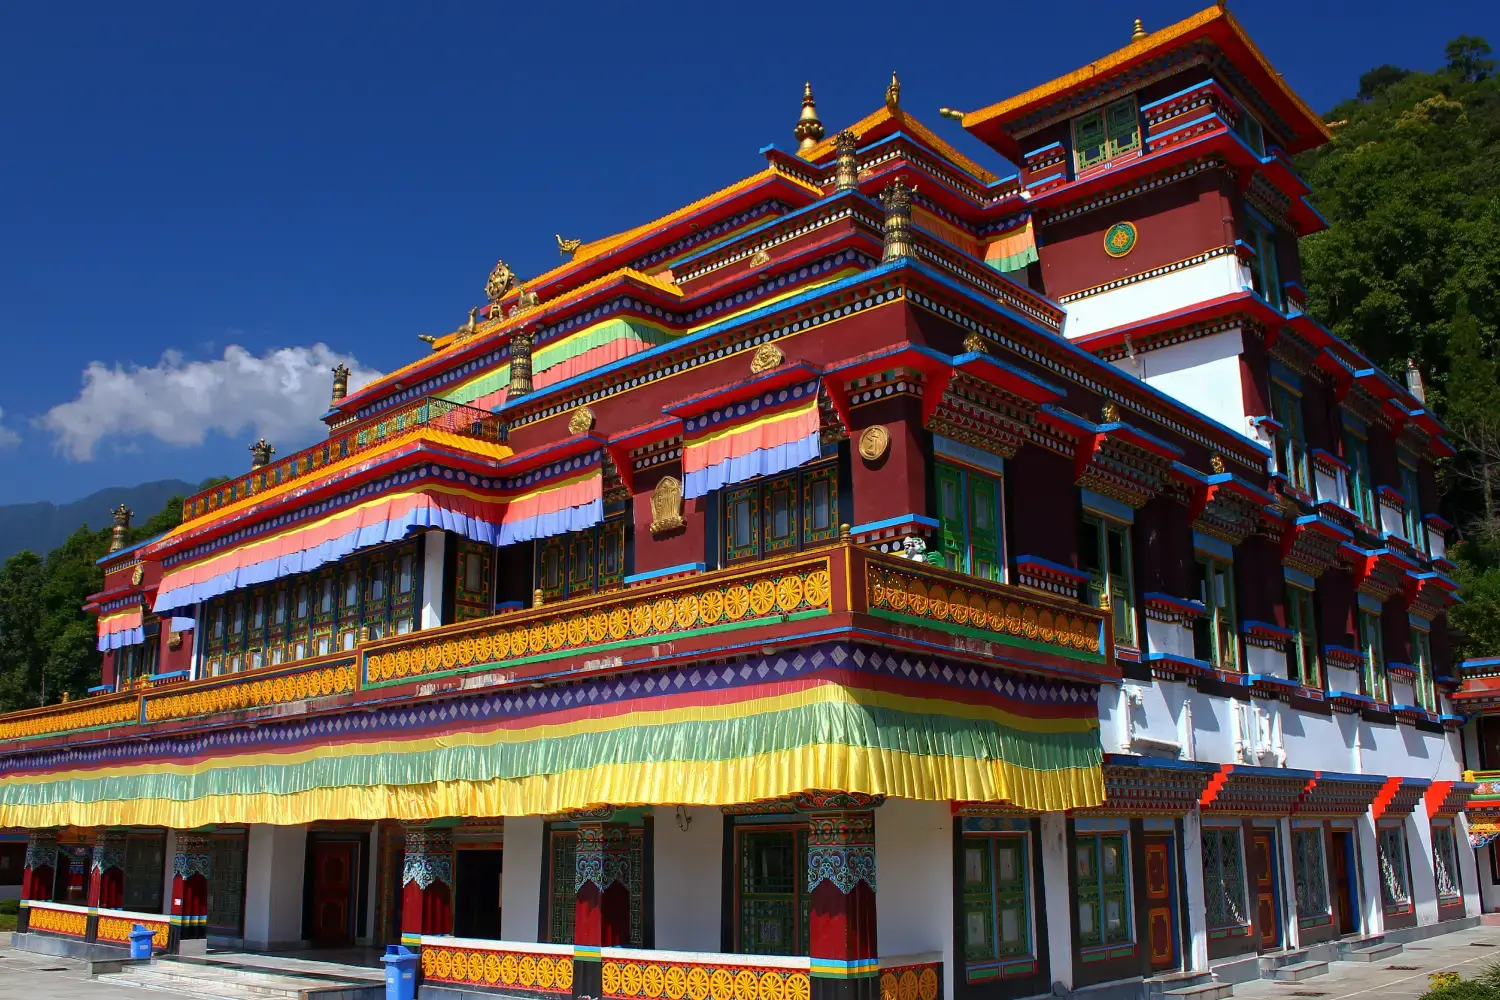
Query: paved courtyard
[34, 977]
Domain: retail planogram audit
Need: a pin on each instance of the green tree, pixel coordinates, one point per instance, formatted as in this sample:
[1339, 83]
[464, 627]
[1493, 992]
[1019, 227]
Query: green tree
[1466, 57]
[1380, 78]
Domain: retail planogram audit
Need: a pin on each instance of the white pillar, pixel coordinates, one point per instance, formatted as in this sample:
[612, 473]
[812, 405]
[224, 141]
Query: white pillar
[1055, 887]
[1419, 854]
[1468, 867]
[169, 852]
[195, 667]
[1289, 881]
[275, 861]
[914, 870]
[689, 870]
[1369, 875]
[1192, 890]
[521, 881]
[432, 578]
[372, 905]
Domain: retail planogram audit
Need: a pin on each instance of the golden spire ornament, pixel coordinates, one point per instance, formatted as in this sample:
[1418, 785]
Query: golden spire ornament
[893, 93]
[1138, 32]
[809, 130]
[567, 247]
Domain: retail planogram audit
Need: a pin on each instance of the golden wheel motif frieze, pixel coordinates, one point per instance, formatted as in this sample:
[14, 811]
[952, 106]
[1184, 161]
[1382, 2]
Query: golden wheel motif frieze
[629, 980]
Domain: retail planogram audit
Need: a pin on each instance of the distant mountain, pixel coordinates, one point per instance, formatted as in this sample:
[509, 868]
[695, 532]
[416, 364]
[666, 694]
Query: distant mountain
[41, 527]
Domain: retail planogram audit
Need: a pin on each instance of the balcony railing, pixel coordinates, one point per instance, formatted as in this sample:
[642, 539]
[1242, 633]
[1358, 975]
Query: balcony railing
[431, 412]
[838, 587]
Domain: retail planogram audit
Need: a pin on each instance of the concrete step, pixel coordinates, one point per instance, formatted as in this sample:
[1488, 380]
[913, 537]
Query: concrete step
[1379, 953]
[223, 983]
[1157, 986]
[1203, 991]
[1299, 971]
[1273, 960]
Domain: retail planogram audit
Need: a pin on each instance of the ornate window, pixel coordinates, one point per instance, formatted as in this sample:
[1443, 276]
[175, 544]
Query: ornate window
[1309, 873]
[1105, 133]
[1421, 654]
[1248, 128]
[1374, 679]
[1104, 552]
[996, 902]
[473, 595]
[1395, 882]
[226, 886]
[1265, 273]
[1291, 439]
[1412, 494]
[1445, 863]
[1302, 648]
[784, 513]
[969, 521]
[591, 561]
[773, 905]
[1101, 879]
[145, 868]
[1214, 637]
[562, 892]
[1224, 877]
[1357, 488]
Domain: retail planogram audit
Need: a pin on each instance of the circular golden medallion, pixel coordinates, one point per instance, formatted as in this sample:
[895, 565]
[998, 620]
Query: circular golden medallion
[873, 442]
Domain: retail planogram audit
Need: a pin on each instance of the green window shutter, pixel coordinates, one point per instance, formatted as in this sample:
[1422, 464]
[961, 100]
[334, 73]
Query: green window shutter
[1012, 897]
[742, 524]
[952, 538]
[1086, 878]
[1090, 141]
[1124, 127]
[984, 527]
[978, 900]
[779, 514]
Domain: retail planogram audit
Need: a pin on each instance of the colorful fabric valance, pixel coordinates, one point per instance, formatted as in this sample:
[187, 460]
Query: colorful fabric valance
[564, 496]
[775, 431]
[120, 629]
[1012, 250]
[878, 724]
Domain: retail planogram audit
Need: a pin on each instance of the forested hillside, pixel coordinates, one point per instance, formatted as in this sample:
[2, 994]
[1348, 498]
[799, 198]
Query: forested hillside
[1410, 267]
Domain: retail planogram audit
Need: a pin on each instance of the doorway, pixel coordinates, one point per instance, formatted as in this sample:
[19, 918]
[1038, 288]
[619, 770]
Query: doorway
[1341, 875]
[1264, 857]
[334, 863]
[1161, 901]
[478, 881]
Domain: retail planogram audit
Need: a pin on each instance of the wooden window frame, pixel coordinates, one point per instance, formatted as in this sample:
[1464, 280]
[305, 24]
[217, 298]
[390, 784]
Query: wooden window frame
[991, 898]
[1291, 440]
[1102, 577]
[1359, 492]
[1373, 678]
[797, 486]
[801, 897]
[1100, 893]
[956, 542]
[1221, 619]
[1302, 647]
[1110, 134]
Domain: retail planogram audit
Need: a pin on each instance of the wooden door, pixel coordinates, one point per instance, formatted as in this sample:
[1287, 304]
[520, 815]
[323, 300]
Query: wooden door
[1339, 865]
[333, 893]
[1161, 927]
[1263, 864]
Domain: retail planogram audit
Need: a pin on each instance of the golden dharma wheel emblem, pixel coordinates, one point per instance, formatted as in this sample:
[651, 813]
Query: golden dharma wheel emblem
[873, 442]
[582, 420]
[137, 575]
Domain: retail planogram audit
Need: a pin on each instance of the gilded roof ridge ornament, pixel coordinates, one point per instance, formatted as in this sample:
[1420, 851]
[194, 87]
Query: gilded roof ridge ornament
[846, 160]
[893, 93]
[502, 279]
[340, 381]
[568, 247]
[1138, 32]
[809, 130]
[429, 340]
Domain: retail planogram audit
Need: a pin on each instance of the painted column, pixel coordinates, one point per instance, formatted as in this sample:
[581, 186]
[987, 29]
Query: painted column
[40, 871]
[275, 863]
[1192, 890]
[1369, 876]
[107, 871]
[601, 911]
[426, 884]
[1055, 882]
[434, 545]
[525, 858]
[842, 933]
[1419, 867]
[1468, 874]
[192, 867]
[1289, 918]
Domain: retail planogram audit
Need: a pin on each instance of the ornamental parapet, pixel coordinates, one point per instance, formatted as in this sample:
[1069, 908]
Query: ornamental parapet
[430, 413]
[785, 601]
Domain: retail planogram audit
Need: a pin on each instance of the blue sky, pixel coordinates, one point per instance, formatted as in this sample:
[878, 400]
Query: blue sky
[202, 206]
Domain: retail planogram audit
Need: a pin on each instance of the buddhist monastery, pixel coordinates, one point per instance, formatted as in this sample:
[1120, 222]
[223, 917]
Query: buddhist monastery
[791, 597]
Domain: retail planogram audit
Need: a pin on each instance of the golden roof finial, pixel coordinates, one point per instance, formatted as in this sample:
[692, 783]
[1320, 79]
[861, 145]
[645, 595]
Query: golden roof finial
[567, 247]
[429, 340]
[893, 93]
[1139, 32]
[809, 130]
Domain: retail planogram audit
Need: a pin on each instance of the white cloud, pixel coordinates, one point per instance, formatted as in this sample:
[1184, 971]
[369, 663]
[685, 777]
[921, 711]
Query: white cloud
[8, 437]
[280, 394]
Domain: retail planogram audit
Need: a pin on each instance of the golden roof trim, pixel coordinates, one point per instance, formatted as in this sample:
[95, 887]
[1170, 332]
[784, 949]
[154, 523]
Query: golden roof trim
[911, 124]
[1119, 57]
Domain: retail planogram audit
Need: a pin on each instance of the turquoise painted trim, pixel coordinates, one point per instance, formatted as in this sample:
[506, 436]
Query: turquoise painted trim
[1419, 623]
[1101, 504]
[1281, 373]
[1298, 578]
[1105, 825]
[1213, 546]
[1352, 423]
[1368, 604]
[1161, 823]
[968, 454]
[652, 574]
[891, 522]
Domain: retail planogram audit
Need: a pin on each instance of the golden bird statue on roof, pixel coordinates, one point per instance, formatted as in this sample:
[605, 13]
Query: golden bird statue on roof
[567, 247]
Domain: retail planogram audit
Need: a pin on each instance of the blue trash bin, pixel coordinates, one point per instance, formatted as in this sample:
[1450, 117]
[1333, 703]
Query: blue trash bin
[400, 973]
[140, 941]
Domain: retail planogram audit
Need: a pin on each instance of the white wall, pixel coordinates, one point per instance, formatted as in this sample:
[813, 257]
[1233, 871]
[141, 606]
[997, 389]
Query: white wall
[432, 578]
[1203, 373]
[1142, 299]
[521, 890]
[1469, 875]
[1192, 891]
[275, 862]
[169, 851]
[1419, 855]
[1369, 873]
[914, 870]
[689, 878]
[1054, 847]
